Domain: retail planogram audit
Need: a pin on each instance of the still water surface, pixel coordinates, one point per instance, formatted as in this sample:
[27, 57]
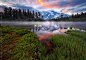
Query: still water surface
[26, 24]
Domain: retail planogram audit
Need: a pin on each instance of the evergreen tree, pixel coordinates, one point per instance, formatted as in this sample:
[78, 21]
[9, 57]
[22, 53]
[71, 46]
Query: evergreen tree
[85, 14]
[42, 17]
[61, 16]
[39, 14]
[77, 15]
[36, 15]
[67, 17]
[28, 13]
[33, 14]
[72, 16]
[5, 12]
[23, 12]
[10, 12]
[19, 12]
[14, 13]
[82, 14]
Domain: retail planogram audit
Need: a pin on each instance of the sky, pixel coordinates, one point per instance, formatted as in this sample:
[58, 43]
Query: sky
[61, 6]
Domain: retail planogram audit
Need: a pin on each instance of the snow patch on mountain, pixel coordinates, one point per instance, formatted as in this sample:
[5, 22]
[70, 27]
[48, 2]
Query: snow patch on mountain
[52, 14]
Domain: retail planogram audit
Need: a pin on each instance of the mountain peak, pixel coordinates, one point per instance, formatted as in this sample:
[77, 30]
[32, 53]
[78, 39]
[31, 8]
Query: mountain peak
[52, 14]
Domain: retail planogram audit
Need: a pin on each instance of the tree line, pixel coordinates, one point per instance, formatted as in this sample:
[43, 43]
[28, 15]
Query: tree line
[73, 17]
[19, 14]
[13, 14]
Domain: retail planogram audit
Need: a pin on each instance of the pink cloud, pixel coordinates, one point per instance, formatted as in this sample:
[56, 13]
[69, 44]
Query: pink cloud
[70, 0]
[55, 2]
[43, 3]
[65, 11]
[1, 10]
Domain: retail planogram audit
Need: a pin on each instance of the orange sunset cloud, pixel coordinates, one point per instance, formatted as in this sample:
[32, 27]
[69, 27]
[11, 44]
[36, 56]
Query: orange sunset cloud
[64, 11]
[43, 3]
[40, 1]
[54, 4]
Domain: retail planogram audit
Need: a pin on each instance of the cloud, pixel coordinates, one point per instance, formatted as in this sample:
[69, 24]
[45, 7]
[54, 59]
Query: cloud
[70, 0]
[66, 11]
[69, 3]
[44, 4]
[24, 7]
[63, 6]
[55, 2]
[59, 4]
[32, 0]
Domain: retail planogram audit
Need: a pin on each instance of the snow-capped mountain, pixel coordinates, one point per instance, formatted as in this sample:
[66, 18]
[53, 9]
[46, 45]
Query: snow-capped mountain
[52, 14]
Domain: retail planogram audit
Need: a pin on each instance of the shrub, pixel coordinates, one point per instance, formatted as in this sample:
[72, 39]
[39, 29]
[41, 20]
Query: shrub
[70, 27]
[5, 30]
[73, 31]
[65, 27]
[2, 33]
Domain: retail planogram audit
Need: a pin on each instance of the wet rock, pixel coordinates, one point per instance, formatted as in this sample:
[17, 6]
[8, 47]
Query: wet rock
[39, 25]
[73, 28]
[63, 30]
[42, 29]
[56, 31]
[83, 30]
[35, 25]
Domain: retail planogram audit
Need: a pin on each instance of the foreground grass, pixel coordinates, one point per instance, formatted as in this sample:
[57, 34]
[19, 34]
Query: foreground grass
[77, 33]
[70, 47]
[22, 44]
[26, 47]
